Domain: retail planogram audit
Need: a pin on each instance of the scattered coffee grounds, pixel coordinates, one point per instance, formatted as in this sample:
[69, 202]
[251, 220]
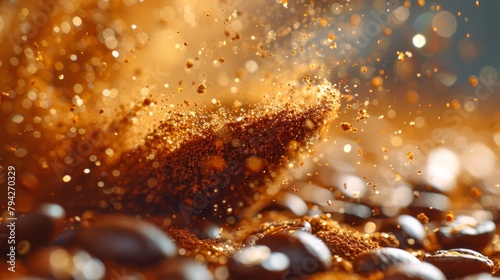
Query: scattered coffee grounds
[213, 162]
[347, 244]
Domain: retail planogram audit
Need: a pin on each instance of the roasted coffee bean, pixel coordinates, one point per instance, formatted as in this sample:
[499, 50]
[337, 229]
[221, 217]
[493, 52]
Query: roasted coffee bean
[433, 205]
[183, 269]
[413, 271]
[460, 262]
[287, 202]
[382, 259]
[126, 240]
[307, 254]
[348, 212]
[258, 262]
[481, 276]
[407, 229]
[467, 232]
[33, 229]
[251, 239]
[291, 228]
[429, 200]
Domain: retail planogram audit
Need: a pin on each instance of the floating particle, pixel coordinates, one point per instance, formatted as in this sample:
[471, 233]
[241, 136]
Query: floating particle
[449, 217]
[346, 126]
[362, 114]
[423, 218]
[475, 192]
[202, 88]
[377, 82]
[409, 156]
[189, 63]
[473, 81]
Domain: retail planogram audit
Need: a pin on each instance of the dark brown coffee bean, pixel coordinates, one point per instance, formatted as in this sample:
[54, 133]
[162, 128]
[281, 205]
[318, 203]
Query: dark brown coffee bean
[258, 262]
[407, 229]
[183, 269]
[382, 259]
[457, 263]
[33, 229]
[480, 276]
[307, 254]
[466, 232]
[126, 240]
[347, 212]
[287, 202]
[413, 271]
[251, 239]
[291, 228]
[433, 205]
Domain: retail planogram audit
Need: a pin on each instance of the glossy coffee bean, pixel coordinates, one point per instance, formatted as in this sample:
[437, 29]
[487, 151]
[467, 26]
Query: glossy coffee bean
[480, 276]
[466, 232]
[291, 228]
[457, 263]
[433, 205]
[126, 240]
[33, 229]
[381, 260]
[307, 254]
[407, 229]
[287, 202]
[348, 212]
[183, 269]
[258, 262]
[413, 271]
[251, 239]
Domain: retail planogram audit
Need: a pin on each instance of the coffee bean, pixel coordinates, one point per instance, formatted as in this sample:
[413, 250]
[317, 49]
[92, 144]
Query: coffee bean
[33, 229]
[480, 276]
[433, 205]
[460, 262]
[251, 239]
[291, 228]
[307, 254]
[126, 240]
[348, 212]
[407, 229]
[183, 269]
[382, 259]
[258, 262]
[413, 271]
[287, 202]
[467, 232]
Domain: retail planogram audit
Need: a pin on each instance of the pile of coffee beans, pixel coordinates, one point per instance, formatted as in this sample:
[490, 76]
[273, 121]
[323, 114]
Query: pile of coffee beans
[272, 245]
